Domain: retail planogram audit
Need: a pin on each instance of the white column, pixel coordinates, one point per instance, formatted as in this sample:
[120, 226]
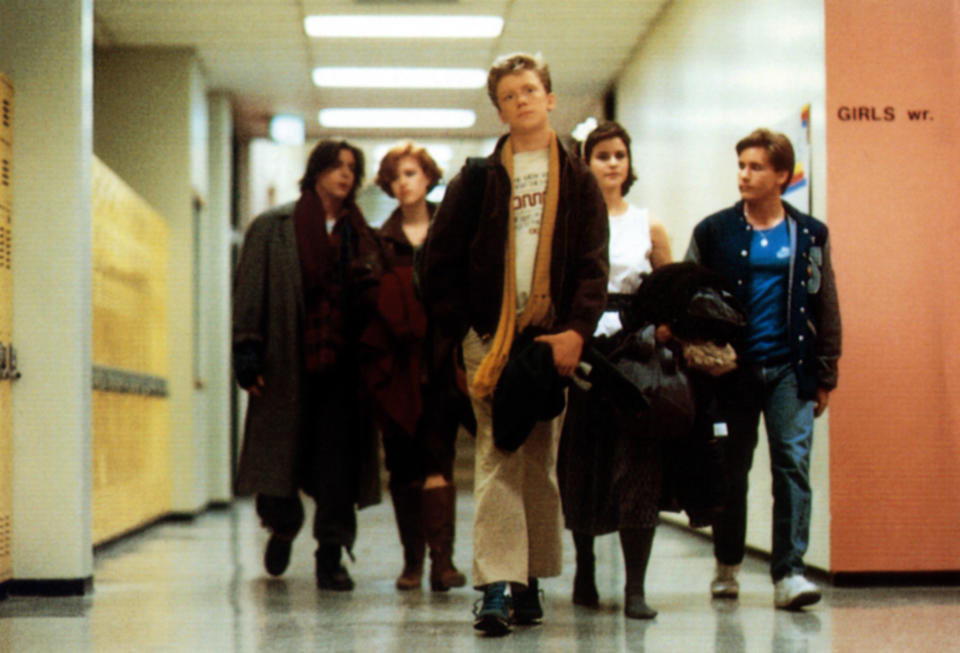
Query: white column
[46, 48]
[146, 121]
[215, 245]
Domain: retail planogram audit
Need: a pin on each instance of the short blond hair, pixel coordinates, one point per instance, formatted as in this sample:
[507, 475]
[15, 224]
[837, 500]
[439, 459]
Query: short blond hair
[510, 64]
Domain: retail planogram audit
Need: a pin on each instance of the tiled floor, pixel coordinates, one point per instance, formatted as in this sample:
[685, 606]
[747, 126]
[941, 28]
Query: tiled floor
[200, 586]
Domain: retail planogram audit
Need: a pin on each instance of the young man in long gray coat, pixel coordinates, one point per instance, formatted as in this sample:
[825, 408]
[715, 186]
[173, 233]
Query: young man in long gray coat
[304, 288]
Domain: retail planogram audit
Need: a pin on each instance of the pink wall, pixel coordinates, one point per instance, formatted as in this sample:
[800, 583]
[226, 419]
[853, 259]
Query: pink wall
[892, 199]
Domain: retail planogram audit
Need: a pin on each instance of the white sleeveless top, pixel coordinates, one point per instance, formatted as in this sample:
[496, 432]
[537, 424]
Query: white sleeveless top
[629, 258]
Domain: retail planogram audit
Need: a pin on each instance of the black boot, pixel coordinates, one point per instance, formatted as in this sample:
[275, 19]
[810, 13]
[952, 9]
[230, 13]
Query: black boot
[277, 556]
[407, 500]
[438, 521]
[637, 543]
[584, 586]
[331, 575]
[282, 516]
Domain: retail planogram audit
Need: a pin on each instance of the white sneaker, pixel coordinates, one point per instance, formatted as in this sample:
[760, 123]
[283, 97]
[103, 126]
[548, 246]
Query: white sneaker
[724, 584]
[793, 592]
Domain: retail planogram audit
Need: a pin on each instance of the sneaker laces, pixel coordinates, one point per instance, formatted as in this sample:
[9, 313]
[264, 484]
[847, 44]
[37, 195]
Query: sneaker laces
[494, 599]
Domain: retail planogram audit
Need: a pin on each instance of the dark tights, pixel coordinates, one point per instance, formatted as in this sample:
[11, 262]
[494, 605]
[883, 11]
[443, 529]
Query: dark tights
[636, 544]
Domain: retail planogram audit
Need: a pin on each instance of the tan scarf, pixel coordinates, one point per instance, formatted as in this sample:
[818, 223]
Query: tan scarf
[537, 312]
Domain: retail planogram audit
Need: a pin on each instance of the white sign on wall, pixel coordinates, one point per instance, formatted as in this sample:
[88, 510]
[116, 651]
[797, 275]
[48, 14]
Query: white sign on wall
[797, 129]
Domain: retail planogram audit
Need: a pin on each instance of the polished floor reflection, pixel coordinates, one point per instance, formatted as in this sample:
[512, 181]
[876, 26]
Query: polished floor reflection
[200, 586]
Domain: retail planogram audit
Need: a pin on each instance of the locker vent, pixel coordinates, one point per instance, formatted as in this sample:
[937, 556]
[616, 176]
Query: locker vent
[6, 537]
[6, 240]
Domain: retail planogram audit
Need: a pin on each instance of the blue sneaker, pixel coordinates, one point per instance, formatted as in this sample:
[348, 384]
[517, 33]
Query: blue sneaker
[492, 612]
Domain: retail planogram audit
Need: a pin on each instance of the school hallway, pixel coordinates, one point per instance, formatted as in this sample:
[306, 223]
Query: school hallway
[200, 586]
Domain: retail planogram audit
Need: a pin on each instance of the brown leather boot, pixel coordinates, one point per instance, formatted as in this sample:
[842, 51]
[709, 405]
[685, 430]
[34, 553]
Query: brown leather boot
[407, 508]
[438, 519]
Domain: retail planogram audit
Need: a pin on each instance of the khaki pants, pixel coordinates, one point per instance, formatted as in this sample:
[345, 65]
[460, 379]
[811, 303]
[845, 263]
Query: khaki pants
[517, 523]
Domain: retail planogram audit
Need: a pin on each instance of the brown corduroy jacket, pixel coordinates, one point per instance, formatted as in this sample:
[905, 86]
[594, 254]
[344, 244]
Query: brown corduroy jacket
[465, 252]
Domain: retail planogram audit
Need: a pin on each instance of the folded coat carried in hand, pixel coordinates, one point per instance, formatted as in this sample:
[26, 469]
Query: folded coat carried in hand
[529, 390]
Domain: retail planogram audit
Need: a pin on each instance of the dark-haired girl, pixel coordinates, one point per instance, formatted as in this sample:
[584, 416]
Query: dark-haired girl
[609, 478]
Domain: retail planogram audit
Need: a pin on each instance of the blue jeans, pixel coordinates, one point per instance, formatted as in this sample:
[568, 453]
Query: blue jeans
[770, 390]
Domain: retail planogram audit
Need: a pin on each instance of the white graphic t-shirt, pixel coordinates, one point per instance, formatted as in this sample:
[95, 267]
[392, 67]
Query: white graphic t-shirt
[530, 172]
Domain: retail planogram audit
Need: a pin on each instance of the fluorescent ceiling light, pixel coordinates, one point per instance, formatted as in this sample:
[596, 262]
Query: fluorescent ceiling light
[406, 26]
[288, 130]
[397, 118]
[346, 77]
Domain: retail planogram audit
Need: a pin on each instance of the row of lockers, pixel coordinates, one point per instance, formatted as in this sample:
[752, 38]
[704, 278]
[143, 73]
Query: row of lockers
[6, 171]
[131, 471]
[6, 141]
[6, 325]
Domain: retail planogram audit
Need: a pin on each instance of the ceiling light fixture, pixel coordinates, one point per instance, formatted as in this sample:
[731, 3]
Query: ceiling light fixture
[351, 77]
[287, 129]
[404, 26]
[397, 118]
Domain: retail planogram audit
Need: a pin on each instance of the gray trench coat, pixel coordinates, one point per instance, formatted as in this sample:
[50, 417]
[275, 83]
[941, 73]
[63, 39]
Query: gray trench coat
[268, 308]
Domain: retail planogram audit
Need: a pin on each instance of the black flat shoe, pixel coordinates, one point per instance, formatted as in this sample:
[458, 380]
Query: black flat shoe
[635, 607]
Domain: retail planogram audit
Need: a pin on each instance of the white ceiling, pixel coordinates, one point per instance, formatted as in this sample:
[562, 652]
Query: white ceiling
[257, 51]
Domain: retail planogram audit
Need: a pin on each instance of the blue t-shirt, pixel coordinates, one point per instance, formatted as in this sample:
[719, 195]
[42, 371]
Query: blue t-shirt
[767, 304]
